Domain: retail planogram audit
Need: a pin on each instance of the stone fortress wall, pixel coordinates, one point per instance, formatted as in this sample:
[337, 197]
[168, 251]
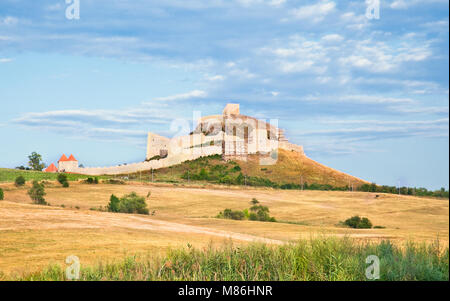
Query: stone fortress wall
[231, 135]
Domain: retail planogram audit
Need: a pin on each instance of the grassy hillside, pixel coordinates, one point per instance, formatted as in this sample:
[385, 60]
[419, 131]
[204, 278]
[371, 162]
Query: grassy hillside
[9, 175]
[315, 260]
[290, 168]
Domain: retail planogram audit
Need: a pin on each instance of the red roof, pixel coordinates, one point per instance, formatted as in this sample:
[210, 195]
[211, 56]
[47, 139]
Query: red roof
[51, 168]
[71, 158]
[63, 158]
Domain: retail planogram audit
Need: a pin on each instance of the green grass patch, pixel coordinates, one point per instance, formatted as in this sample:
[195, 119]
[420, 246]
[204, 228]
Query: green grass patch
[10, 175]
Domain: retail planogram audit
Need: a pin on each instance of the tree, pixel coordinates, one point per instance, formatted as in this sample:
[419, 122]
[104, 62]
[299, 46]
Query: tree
[36, 161]
[113, 205]
[62, 178]
[37, 193]
[20, 181]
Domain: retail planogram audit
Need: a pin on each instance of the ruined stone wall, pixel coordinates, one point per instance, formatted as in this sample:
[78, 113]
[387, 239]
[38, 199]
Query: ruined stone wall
[153, 164]
[291, 147]
[156, 143]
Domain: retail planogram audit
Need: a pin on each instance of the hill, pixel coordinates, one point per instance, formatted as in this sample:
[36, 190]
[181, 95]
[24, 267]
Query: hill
[291, 168]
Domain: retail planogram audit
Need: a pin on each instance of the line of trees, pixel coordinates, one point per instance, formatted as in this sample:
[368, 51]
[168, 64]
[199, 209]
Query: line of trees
[442, 193]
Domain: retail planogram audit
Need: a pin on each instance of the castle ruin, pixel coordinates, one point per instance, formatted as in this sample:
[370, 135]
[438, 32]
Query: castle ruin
[231, 135]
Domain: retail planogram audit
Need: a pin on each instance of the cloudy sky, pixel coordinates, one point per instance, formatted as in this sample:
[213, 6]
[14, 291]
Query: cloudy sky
[363, 95]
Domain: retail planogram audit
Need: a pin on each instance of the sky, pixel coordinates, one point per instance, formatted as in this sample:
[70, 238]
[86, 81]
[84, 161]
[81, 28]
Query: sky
[363, 93]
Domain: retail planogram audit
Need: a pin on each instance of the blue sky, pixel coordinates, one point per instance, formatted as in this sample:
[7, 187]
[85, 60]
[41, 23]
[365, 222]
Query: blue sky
[366, 96]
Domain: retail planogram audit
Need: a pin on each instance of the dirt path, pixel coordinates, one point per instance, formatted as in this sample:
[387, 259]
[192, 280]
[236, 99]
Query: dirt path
[16, 216]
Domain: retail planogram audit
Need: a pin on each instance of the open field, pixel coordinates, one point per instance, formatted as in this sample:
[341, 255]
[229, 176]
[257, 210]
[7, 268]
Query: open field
[33, 236]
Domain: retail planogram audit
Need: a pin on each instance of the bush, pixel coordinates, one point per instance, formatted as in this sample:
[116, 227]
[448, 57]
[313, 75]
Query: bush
[20, 181]
[236, 215]
[358, 222]
[114, 181]
[130, 203]
[1, 195]
[113, 205]
[92, 180]
[65, 184]
[62, 178]
[37, 193]
[256, 213]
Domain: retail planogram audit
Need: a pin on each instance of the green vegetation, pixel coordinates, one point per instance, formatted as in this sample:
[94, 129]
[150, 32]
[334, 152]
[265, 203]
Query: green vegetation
[358, 222]
[35, 161]
[37, 193]
[328, 259]
[442, 193]
[2, 195]
[130, 203]
[9, 175]
[62, 179]
[114, 181]
[20, 181]
[91, 180]
[256, 213]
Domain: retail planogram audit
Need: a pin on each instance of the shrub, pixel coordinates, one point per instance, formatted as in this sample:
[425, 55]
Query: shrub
[130, 203]
[92, 180]
[237, 168]
[20, 181]
[37, 193]
[114, 181]
[113, 205]
[358, 222]
[256, 213]
[230, 214]
[1, 194]
[62, 178]
[65, 184]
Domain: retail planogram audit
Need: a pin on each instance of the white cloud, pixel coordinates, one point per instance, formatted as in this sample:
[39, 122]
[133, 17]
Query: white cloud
[215, 77]
[405, 4]
[5, 60]
[248, 3]
[191, 94]
[315, 12]
[9, 21]
[275, 93]
[332, 38]
[54, 7]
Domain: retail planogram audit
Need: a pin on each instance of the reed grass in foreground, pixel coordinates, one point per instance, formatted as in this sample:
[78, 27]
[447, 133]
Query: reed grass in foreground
[329, 259]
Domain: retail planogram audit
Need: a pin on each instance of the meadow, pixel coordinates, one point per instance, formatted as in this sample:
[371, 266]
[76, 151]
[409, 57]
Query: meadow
[32, 237]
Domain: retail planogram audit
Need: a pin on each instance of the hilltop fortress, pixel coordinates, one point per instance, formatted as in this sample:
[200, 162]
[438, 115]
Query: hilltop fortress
[231, 135]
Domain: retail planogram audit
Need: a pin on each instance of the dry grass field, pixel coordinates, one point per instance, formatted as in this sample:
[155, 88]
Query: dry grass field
[32, 236]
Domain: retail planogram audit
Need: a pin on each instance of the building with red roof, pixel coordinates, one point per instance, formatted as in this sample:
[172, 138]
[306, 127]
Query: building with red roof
[67, 164]
[51, 168]
[63, 158]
